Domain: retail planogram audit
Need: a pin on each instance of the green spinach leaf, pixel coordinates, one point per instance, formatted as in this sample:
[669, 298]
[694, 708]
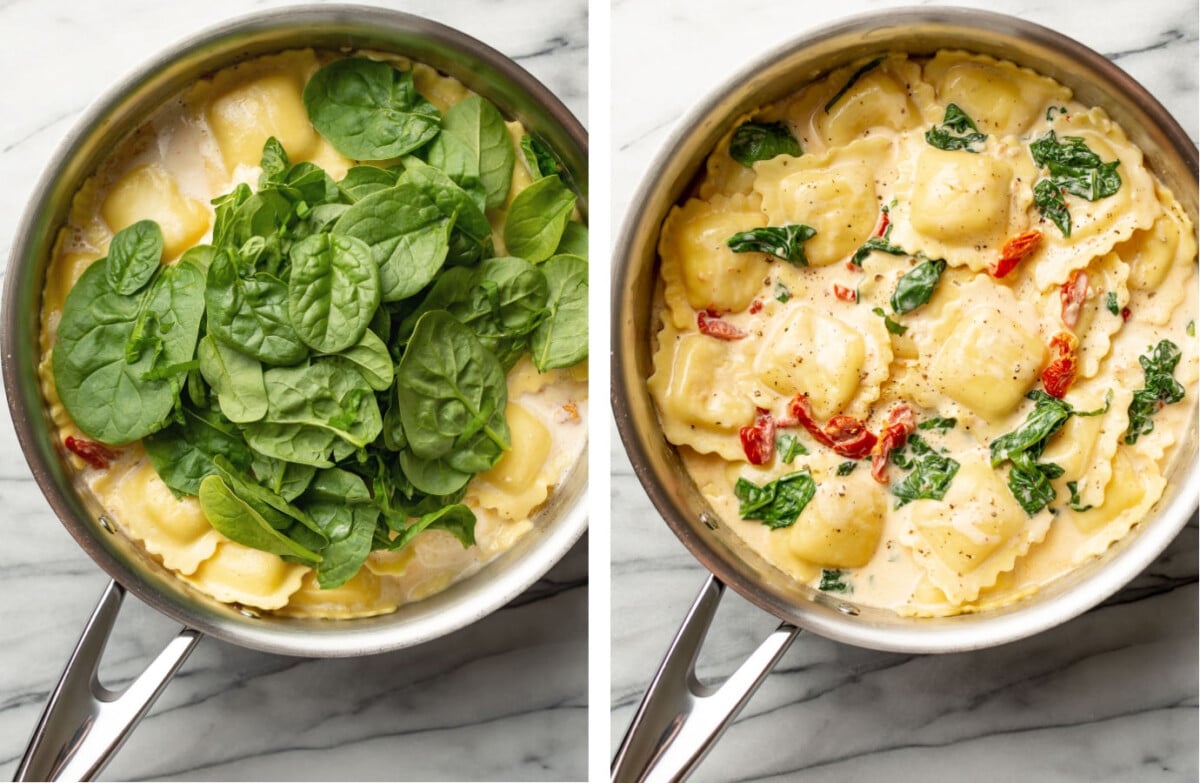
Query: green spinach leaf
[537, 218]
[783, 242]
[834, 581]
[538, 158]
[134, 254]
[574, 241]
[1161, 388]
[478, 127]
[182, 453]
[789, 447]
[930, 472]
[237, 520]
[854, 77]
[916, 286]
[333, 291]
[778, 503]
[251, 313]
[755, 141]
[562, 339]
[957, 132]
[236, 378]
[369, 110]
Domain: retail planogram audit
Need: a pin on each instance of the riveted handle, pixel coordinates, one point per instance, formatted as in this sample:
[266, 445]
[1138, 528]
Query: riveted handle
[85, 723]
[680, 718]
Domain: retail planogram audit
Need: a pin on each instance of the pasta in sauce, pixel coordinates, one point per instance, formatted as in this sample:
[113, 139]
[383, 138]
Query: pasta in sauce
[197, 147]
[919, 345]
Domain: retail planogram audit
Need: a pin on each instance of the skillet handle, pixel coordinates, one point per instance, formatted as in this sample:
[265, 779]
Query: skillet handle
[680, 718]
[85, 723]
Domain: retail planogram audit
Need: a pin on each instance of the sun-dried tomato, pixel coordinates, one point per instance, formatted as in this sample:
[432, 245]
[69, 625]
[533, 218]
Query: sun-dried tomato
[846, 435]
[1073, 292]
[844, 293]
[1015, 251]
[95, 454]
[1060, 373]
[710, 323]
[899, 425]
[758, 439]
[1126, 313]
[883, 223]
[756, 306]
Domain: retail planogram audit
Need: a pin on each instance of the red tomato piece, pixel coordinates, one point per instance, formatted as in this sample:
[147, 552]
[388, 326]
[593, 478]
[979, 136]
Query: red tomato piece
[846, 435]
[710, 323]
[883, 223]
[1073, 292]
[899, 425]
[758, 440]
[1060, 373]
[1015, 251]
[755, 307]
[1126, 313]
[95, 454]
[844, 293]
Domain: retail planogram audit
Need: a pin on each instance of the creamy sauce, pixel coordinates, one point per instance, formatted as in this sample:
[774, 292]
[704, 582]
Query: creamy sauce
[971, 352]
[198, 147]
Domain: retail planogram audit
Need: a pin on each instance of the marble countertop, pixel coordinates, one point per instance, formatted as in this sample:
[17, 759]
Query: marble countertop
[505, 698]
[1110, 696]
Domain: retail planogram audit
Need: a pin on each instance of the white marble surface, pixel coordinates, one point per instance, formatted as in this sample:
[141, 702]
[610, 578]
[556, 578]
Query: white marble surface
[1110, 696]
[505, 699]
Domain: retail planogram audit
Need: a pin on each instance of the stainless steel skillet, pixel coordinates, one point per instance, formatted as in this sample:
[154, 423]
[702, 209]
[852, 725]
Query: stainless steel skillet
[679, 719]
[84, 723]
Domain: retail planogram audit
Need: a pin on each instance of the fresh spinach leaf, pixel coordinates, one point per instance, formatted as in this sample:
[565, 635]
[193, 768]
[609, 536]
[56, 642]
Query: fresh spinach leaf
[537, 218]
[1160, 388]
[371, 358]
[755, 141]
[251, 313]
[574, 241]
[562, 339]
[471, 233]
[778, 503]
[957, 132]
[236, 378]
[432, 476]
[134, 254]
[182, 453]
[323, 395]
[916, 286]
[407, 232]
[783, 242]
[362, 181]
[449, 388]
[109, 398]
[286, 479]
[333, 291]
[299, 443]
[456, 519]
[476, 123]
[340, 505]
[538, 158]
[235, 519]
[369, 110]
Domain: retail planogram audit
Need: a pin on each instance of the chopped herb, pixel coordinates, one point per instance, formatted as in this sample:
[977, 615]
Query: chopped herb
[783, 242]
[930, 474]
[1110, 303]
[1075, 501]
[891, 325]
[1050, 112]
[834, 581]
[877, 243]
[1160, 389]
[939, 423]
[1029, 480]
[789, 447]
[846, 468]
[778, 503]
[854, 78]
[916, 286]
[957, 132]
[1191, 329]
[1073, 169]
[754, 141]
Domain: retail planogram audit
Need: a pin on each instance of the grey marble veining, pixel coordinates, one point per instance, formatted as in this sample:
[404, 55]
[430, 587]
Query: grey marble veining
[1110, 696]
[504, 699]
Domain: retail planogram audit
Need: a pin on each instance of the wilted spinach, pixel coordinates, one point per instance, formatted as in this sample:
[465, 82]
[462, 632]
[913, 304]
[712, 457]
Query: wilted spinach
[1161, 388]
[957, 132]
[783, 242]
[778, 503]
[754, 141]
